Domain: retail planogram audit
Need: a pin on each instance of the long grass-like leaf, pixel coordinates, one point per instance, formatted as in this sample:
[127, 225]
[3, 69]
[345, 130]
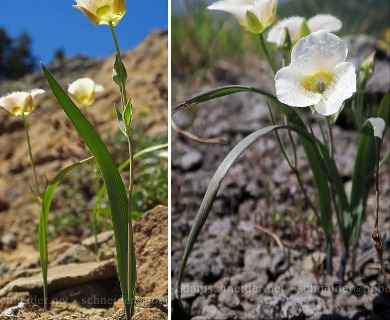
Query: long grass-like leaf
[227, 90]
[364, 170]
[43, 219]
[102, 190]
[115, 189]
[216, 182]
[125, 164]
[318, 156]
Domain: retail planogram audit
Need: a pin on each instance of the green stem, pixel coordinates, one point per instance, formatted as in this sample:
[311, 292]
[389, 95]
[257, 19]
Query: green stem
[293, 166]
[331, 142]
[122, 87]
[30, 153]
[343, 261]
[129, 221]
[266, 53]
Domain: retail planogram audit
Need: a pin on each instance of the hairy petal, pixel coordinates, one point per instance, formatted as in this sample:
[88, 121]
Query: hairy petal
[341, 88]
[265, 11]
[320, 51]
[325, 22]
[19, 102]
[235, 8]
[102, 11]
[292, 24]
[289, 89]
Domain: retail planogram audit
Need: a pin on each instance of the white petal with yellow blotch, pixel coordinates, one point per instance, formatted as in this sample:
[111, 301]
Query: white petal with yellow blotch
[318, 74]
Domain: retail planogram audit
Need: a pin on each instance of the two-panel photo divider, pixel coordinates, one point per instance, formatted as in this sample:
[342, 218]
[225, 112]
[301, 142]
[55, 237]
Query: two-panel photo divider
[195, 159]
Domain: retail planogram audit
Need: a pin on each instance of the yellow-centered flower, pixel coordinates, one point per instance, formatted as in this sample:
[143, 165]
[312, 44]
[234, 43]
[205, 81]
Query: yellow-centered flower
[318, 74]
[83, 91]
[20, 102]
[102, 11]
[253, 15]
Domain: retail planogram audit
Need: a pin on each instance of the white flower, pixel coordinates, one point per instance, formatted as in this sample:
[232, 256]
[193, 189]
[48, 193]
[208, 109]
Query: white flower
[253, 15]
[102, 11]
[20, 102]
[318, 74]
[83, 91]
[292, 25]
[324, 22]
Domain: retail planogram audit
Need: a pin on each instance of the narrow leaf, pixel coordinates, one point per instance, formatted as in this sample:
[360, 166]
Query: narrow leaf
[124, 165]
[115, 189]
[384, 109]
[121, 122]
[315, 159]
[44, 215]
[215, 184]
[364, 169]
[119, 74]
[304, 30]
[253, 23]
[127, 114]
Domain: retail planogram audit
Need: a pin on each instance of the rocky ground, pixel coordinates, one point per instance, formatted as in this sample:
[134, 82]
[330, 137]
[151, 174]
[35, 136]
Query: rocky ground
[237, 271]
[82, 284]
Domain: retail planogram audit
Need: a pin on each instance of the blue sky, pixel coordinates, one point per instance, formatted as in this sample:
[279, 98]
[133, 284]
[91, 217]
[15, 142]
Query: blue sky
[53, 24]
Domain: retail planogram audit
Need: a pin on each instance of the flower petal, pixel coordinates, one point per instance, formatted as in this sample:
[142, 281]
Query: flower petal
[236, 8]
[36, 92]
[83, 91]
[325, 22]
[98, 88]
[293, 25]
[19, 102]
[341, 88]
[289, 90]
[102, 11]
[13, 98]
[81, 86]
[265, 11]
[92, 17]
[320, 51]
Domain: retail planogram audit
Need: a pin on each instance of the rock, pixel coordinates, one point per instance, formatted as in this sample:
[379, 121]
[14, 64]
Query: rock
[279, 307]
[12, 312]
[63, 276]
[102, 237]
[312, 306]
[261, 261]
[190, 290]
[359, 48]
[8, 241]
[201, 301]
[243, 278]
[75, 254]
[155, 308]
[304, 282]
[191, 161]
[229, 299]
[205, 263]
[254, 188]
[252, 289]
[4, 205]
[220, 227]
[151, 250]
[212, 312]
[352, 298]
[245, 209]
